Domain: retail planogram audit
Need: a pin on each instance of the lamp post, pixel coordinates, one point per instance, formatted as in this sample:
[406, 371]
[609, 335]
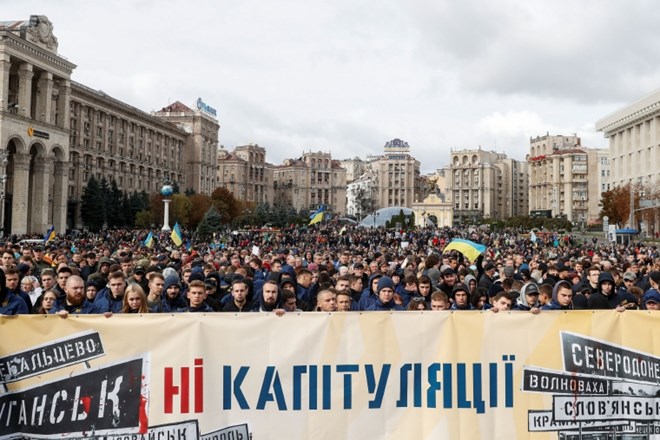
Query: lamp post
[4, 154]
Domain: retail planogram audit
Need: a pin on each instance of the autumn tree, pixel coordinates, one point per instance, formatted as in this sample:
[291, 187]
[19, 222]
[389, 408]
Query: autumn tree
[200, 204]
[615, 205]
[226, 204]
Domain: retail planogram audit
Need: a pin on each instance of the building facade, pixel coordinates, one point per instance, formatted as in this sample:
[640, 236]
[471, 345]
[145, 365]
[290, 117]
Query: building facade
[634, 141]
[559, 184]
[633, 133]
[396, 176]
[306, 183]
[485, 184]
[55, 134]
[246, 174]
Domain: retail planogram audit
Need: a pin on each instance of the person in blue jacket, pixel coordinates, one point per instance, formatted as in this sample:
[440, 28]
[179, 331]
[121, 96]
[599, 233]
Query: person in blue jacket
[385, 301]
[562, 297]
[111, 299]
[369, 294]
[75, 301]
[10, 303]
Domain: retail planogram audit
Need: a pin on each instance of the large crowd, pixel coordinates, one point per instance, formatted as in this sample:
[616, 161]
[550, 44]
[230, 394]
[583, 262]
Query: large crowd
[327, 268]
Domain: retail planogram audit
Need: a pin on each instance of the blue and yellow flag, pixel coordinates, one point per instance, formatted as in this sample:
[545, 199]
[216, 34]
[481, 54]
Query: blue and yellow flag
[177, 238]
[149, 241]
[317, 216]
[50, 234]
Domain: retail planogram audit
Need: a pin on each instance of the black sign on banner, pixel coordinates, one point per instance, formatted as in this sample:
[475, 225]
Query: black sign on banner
[108, 400]
[558, 382]
[599, 358]
[61, 353]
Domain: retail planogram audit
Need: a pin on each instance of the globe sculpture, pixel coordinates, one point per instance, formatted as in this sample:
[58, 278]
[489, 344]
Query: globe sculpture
[166, 191]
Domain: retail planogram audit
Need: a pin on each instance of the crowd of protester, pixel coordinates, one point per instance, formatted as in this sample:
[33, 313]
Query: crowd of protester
[325, 268]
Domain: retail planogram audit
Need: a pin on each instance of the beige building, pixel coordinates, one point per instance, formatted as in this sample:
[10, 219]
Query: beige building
[201, 147]
[55, 134]
[246, 174]
[355, 168]
[306, 183]
[559, 183]
[485, 184]
[396, 176]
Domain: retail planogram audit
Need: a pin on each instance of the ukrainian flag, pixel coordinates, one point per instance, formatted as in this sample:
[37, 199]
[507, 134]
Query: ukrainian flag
[50, 234]
[177, 238]
[317, 216]
[149, 241]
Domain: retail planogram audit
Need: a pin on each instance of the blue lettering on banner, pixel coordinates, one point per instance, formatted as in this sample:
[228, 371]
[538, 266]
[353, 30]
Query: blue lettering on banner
[201, 105]
[476, 386]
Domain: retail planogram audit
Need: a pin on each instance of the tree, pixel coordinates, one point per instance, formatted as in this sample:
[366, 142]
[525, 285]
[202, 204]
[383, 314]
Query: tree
[211, 223]
[180, 209]
[226, 204]
[615, 205]
[93, 208]
[200, 203]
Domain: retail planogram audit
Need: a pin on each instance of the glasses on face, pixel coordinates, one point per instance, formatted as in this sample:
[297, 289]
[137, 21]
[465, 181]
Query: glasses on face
[628, 281]
[418, 299]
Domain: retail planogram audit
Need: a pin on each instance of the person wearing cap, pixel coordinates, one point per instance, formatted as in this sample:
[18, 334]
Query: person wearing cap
[448, 280]
[487, 278]
[38, 257]
[461, 295]
[385, 301]
[103, 268]
[529, 297]
[651, 299]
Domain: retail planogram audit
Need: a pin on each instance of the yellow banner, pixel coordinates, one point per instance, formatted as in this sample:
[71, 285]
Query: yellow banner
[406, 375]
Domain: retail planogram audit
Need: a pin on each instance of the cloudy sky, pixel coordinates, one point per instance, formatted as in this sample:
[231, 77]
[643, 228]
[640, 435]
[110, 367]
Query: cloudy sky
[346, 76]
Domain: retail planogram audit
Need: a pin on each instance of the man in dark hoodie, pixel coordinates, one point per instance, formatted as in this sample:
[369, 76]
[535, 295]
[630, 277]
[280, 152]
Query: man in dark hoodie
[606, 297]
[196, 298]
[171, 298]
[239, 302]
[271, 299]
[369, 294]
[562, 297]
[385, 301]
[461, 294]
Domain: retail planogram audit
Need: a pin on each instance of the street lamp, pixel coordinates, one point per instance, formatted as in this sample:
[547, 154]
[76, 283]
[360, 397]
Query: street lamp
[4, 154]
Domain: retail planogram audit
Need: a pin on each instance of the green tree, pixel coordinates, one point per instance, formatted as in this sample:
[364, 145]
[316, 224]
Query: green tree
[211, 223]
[92, 206]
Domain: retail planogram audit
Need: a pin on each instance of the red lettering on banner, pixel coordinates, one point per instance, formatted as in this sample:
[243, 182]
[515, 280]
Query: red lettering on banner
[183, 388]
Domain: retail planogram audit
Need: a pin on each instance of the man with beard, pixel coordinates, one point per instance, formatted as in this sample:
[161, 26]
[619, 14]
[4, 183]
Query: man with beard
[171, 300]
[270, 299]
[75, 301]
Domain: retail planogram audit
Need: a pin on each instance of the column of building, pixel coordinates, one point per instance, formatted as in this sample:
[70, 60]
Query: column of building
[41, 171]
[44, 97]
[5, 67]
[25, 75]
[19, 217]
